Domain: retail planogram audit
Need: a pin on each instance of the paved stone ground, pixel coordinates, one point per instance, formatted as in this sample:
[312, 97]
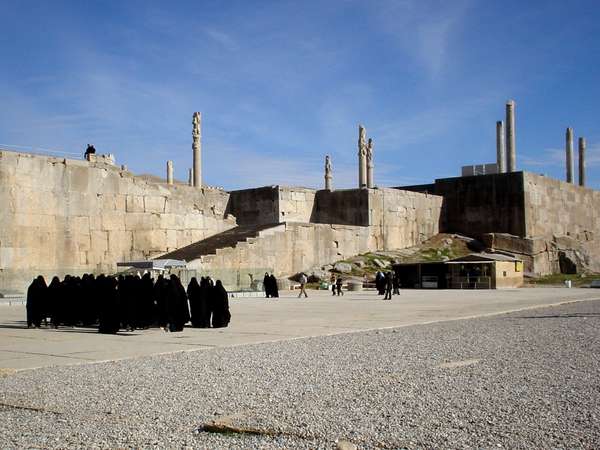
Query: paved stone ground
[528, 379]
[261, 320]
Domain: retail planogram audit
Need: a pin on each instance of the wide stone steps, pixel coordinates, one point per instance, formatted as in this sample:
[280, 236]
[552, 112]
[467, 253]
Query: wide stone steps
[221, 243]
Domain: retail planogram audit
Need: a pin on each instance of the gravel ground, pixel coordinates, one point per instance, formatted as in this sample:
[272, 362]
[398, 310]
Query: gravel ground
[522, 380]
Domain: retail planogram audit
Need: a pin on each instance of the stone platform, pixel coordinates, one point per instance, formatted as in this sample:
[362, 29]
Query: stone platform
[257, 320]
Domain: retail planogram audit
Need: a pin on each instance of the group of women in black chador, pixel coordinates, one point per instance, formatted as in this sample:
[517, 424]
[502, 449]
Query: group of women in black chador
[127, 302]
[270, 286]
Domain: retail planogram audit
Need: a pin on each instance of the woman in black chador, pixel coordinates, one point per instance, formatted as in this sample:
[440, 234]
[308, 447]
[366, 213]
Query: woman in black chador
[36, 302]
[198, 303]
[177, 306]
[109, 320]
[220, 301]
[274, 288]
[54, 291]
[267, 285]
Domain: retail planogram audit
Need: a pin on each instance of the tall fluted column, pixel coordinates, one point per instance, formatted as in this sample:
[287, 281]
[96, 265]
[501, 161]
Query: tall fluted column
[569, 154]
[581, 161]
[362, 157]
[511, 150]
[370, 164]
[500, 147]
[169, 172]
[328, 173]
[197, 148]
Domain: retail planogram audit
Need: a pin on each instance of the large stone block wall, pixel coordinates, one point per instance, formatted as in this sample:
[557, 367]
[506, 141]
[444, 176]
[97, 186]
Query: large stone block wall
[64, 216]
[554, 207]
[296, 204]
[400, 219]
[255, 206]
[483, 204]
[288, 249]
[347, 207]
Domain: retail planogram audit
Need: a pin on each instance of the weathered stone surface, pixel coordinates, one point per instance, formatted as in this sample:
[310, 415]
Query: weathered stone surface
[343, 267]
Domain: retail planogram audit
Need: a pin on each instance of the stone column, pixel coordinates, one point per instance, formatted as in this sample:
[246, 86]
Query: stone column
[197, 148]
[328, 174]
[500, 147]
[569, 151]
[169, 172]
[511, 150]
[362, 157]
[370, 164]
[581, 161]
[190, 177]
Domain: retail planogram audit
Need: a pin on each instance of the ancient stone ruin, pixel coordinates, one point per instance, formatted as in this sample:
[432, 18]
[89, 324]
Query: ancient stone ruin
[71, 216]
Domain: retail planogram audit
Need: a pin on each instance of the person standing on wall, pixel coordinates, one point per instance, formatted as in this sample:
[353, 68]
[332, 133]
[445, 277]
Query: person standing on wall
[303, 280]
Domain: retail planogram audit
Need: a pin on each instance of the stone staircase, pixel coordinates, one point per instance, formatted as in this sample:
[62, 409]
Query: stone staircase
[224, 242]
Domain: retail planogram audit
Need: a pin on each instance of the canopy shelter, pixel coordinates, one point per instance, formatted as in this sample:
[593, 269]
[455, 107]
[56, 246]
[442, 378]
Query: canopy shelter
[154, 264]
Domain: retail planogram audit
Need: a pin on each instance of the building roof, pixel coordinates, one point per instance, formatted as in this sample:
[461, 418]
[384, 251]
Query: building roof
[154, 264]
[483, 257]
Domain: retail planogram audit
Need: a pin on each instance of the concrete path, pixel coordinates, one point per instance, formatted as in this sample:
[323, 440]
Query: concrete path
[261, 320]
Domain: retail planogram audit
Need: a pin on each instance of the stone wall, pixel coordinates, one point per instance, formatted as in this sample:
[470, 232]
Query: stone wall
[400, 219]
[295, 204]
[483, 204]
[347, 207]
[287, 249]
[64, 216]
[255, 206]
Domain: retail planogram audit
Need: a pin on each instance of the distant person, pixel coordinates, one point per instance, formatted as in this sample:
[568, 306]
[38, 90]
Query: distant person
[333, 285]
[338, 286]
[303, 280]
[90, 150]
[389, 286]
[396, 284]
[267, 285]
[36, 297]
[220, 300]
[274, 288]
[380, 282]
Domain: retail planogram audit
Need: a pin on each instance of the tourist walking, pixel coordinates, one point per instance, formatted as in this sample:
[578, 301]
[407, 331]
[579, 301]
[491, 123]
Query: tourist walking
[396, 284]
[338, 286]
[389, 285]
[303, 280]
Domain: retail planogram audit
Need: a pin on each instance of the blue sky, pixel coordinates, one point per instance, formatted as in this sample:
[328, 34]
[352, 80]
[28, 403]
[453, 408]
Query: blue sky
[282, 83]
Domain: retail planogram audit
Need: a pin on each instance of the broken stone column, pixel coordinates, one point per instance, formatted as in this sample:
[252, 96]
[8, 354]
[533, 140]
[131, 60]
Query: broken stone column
[581, 161]
[370, 164]
[362, 157]
[511, 155]
[500, 147]
[328, 173]
[169, 172]
[569, 151]
[197, 149]
[190, 177]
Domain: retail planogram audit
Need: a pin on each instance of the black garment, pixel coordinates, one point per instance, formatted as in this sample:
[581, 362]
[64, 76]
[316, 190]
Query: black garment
[36, 299]
[160, 296]
[198, 298]
[380, 283]
[146, 300]
[53, 299]
[274, 288]
[220, 301]
[109, 320]
[267, 285]
[90, 150]
[338, 286]
[389, 283]
[396, 283]
[178, 313]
